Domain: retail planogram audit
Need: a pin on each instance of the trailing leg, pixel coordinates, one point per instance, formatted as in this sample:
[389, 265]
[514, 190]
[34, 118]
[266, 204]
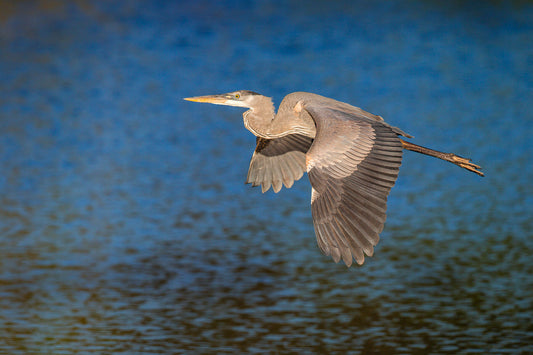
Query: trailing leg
[452, 158]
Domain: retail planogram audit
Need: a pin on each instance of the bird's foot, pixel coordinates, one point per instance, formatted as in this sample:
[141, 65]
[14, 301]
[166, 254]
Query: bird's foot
[466, 164]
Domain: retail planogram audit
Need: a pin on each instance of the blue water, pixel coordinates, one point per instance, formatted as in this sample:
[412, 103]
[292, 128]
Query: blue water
[125, 226]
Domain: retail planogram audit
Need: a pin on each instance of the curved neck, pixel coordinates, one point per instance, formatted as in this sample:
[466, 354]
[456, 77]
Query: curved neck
[263, 122]
[258, 119]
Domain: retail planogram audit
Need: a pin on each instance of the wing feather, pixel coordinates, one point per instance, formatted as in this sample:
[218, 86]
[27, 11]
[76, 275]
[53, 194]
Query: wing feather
[278, 162]
[352, 165]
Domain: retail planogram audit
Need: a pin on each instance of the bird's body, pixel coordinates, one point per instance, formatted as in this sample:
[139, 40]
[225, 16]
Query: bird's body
[352, 158]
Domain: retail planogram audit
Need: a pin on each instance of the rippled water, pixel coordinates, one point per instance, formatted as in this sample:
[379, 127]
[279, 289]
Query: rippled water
[125, 226]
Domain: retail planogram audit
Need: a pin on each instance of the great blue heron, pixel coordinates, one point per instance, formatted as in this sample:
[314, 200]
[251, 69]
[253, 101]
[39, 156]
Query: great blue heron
[352, 158]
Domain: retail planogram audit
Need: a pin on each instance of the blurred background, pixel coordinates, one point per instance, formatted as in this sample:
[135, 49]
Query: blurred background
[125, 226]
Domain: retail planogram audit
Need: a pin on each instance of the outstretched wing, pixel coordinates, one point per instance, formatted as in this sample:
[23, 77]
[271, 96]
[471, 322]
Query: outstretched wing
[352, 166]
[278, 162]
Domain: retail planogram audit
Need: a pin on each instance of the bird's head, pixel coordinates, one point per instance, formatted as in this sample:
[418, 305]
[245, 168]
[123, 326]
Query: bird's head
[241, 98]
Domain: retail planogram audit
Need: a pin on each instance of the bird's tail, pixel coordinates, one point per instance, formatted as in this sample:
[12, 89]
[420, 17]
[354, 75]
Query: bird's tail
[452, 158]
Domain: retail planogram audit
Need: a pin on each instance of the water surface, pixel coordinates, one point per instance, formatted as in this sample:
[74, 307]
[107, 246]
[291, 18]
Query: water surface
[125, 226]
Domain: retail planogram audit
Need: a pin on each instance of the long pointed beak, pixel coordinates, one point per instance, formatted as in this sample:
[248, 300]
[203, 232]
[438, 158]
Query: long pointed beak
[212, 99]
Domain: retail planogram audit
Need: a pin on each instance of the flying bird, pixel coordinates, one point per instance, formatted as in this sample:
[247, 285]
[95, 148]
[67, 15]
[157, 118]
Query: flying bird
[352, 158]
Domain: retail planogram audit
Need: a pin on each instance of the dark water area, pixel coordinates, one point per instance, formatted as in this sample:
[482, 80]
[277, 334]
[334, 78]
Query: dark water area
[125, 226]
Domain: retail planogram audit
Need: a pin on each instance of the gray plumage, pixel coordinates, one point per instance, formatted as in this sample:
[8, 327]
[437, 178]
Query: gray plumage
[278, 161]
[352, 158]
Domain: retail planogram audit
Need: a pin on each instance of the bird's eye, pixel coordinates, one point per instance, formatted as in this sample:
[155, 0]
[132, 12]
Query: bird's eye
[237, 96]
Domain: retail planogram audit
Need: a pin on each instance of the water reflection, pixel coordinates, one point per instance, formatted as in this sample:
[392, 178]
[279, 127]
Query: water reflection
[125, 226]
